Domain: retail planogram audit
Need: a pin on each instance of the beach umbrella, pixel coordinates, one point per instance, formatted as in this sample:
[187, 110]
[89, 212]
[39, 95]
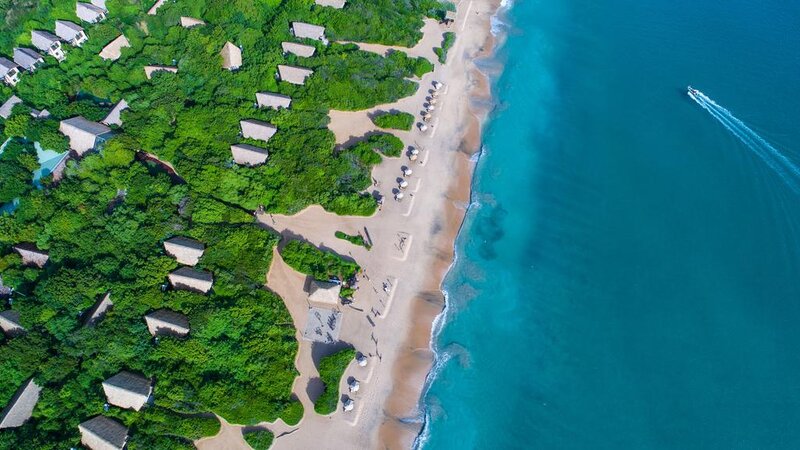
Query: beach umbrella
[399, 196]
[414, 151]
[354, 385]
[430, 107]
[435, 94]
[437, 85]
[361, 360]
[349, 404]
[413, 157]
[433, 101]
[403, 184]
[407, 172]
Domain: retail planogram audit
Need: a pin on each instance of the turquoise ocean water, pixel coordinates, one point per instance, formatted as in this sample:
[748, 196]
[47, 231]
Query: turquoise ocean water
[629, 273]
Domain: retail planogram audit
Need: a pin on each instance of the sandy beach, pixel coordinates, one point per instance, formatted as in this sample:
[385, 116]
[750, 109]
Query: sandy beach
[398, 294]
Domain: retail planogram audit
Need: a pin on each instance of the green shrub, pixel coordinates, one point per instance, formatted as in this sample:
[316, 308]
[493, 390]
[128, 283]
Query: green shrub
[293, 413]
[396, 120]
[356, 240]
[259, 440]
[448, 41]
[331, 369]
[321, 265]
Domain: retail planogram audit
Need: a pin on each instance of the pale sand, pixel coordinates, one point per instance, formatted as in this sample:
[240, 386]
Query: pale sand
[413, 246]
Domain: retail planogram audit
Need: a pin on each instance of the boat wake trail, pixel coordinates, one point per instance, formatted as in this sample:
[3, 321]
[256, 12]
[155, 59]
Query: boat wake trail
[777, 161]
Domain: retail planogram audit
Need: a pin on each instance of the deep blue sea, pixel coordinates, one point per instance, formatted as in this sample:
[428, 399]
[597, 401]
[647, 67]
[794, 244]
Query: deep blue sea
[628, 276]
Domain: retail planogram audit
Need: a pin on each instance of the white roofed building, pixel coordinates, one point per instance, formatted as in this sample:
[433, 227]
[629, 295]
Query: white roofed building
[113, 50]
[9, 323]
[115, 116]
[338, 4]
[20, 407]
[293, 74]
[154, 9]
[231, 56]
[84, 135]
[88, 12]
[256, 129]
[32, 256]
[294, 48]
[128, 390]
[70, 32]
[9, 71]
[189, 22]
[48, 42]
[324, 292]
[166, 322]
[184, 250]
[192, 280]
[272, 100]
[308, 31]
[8, 106]
[249, 155]
[150, 70]
[27, 58]
[102, 433]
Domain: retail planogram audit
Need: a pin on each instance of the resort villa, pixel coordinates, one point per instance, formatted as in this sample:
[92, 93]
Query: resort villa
[113, 50]
[150, 70]
[115, 116]
[20, 407]
[231, 56]
[304, 30]
[294, 48]
[9, 71]
[184, 250]
[324, 292]
[192, 280]
[32, 256]
[338, 4]
[9, 323]
[166, 322]
[88, 12]
[256, 129]
[84, 135]
[249, 155]
[99, 310]
[189, 22]
[102, 433]
[154, 9]
[48, 42]
[272, 100]
[70, 32]
[128, 390]
[8, 106]
[294, 75]
[27, 58]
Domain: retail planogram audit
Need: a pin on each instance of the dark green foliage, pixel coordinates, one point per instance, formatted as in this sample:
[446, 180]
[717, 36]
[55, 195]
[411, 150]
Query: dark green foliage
[397, 120]
[356, 240]
[259, 440]
[331, 369]
[17, 164]
[448, 39]
[387, 144]
[308, 259]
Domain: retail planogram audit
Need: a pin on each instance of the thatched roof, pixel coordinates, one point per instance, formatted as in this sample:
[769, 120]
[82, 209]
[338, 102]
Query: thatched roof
[70, 32]
[164, 321]
[152, 11]
[115, 116]
[102, 433]
[128, 390]
[114, 48]
[249, 155]
[338, 4]
[301, 50]
[27, 58]
[20, 408]
[83, 134]
[184, 250]
[9, 323]
[308, 31]
[272, 100]
[89, 13]
[150, 70]
[231, 56]
[8, 106]
[190, 279]
[188, 22]
[324, 292]
[293, 74]
[99, 310]
[32, 256]
[256, 129]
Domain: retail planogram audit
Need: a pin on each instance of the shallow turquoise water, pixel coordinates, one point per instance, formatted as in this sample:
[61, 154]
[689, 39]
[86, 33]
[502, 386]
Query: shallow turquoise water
[628, 276]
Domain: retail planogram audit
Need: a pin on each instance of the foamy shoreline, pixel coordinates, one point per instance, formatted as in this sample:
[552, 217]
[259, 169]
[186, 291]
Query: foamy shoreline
[413, 249]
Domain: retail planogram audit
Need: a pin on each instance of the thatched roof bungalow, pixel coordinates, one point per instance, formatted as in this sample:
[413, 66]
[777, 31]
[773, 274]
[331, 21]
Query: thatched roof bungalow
[70, 32]
[9, 323]
[256, 129]
[308, 31]
[115, 116]
[128, 390]
[150, 70]
[84, 135]
[32, 256]
[99, 310]
[20, 408]
[231, 56]
[324, 292]
[293, 74]
[154, 9]
[184, 250]
[102, 433]
[302, 50]
[166, 322]
[189, 22]
[190, 279]
[8, 106]
[249, 155]
[113, 50]
[272, 100]
[338, 4]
